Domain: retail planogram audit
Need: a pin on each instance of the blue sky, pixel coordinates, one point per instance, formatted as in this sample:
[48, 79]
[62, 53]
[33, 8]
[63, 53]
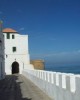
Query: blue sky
[53, 27]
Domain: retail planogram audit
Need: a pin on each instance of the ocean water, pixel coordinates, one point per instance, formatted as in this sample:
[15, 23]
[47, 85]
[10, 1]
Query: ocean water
[65, 69]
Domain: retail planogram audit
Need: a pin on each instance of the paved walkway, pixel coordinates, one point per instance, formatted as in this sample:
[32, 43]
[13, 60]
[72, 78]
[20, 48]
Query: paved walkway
[17, 87]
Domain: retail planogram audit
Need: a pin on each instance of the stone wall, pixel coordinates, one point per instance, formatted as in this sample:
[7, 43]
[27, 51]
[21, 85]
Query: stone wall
[38, 64]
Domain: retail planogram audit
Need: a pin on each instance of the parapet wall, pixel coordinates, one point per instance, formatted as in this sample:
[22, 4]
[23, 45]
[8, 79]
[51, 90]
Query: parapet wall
[59, 86]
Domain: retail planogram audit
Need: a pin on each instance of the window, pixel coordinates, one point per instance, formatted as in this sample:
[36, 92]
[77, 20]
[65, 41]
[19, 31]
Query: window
[14, 49]
[13, 37]
[8, 35]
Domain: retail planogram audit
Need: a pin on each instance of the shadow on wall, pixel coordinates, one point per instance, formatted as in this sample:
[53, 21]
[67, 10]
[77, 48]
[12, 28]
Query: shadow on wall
[10, 89]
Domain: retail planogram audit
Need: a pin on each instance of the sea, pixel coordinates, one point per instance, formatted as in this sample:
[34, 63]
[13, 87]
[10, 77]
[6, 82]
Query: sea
[64, 69]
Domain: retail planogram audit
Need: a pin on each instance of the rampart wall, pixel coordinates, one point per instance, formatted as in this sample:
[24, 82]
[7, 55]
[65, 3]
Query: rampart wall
[59, 86]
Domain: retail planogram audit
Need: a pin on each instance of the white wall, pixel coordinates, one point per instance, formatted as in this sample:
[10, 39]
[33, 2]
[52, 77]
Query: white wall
[59, 86]
[21, 55]
[20, 41]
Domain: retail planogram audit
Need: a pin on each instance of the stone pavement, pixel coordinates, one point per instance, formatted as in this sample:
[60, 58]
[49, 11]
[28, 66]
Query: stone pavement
[17, 87]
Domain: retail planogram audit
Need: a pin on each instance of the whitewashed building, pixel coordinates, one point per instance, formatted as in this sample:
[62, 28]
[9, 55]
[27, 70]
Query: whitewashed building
[2, 68]
[16, 52]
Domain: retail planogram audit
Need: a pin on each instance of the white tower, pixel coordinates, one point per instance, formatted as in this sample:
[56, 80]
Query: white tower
[16, 52]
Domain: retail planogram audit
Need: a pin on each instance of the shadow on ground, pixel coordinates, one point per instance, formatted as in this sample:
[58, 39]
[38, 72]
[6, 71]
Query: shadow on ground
[10, 89]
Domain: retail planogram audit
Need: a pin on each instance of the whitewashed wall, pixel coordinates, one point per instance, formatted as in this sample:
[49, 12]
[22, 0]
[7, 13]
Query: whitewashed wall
[59, 86]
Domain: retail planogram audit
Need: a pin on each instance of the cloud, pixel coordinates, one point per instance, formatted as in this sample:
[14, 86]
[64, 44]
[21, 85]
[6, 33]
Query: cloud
[63, 53]
[21, 29]
[52, 39]
[59, 58]
[1, 12]
[41, 35]
[59, 55]
[53, 54]
[78, 51]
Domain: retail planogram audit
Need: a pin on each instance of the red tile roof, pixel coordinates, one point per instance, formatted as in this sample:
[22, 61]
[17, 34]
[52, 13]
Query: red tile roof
[9, 30]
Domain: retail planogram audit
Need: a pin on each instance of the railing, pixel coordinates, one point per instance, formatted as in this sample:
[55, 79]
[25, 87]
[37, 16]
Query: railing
[59, 86]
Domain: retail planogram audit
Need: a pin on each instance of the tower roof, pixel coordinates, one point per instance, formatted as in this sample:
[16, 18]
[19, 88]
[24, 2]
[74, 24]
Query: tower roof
[10, 30]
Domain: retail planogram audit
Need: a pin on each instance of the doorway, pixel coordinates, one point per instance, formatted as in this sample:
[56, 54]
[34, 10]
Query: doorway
[15, 67]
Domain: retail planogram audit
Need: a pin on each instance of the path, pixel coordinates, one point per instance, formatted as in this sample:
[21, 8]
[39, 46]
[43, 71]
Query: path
[17, 87]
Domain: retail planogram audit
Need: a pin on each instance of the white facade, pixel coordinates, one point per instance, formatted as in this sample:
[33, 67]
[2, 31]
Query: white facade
[2, 69]
[16, 52]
